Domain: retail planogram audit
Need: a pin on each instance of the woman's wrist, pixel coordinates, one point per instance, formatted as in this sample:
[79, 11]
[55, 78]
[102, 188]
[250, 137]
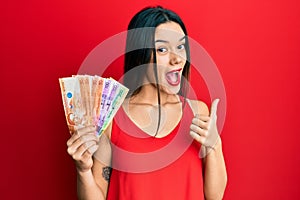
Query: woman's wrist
[218, 143]
[216, 147]
[85, 172]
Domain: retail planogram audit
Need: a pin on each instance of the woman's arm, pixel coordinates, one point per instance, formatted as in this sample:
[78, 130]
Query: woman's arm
[87, 188]
[204, 130]
[215, 176]
[86, 150]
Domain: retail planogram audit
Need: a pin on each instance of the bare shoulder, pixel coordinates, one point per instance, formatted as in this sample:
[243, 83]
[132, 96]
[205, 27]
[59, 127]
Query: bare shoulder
[199, 107]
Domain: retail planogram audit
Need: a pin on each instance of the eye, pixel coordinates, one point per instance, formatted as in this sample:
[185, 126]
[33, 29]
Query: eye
[162, 49]
[180, 47]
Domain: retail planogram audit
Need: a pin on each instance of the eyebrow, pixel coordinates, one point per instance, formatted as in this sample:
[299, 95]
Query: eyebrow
[165, 41]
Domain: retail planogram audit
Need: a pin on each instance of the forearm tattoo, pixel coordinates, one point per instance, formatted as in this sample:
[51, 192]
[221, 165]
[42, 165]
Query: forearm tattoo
[106, 171]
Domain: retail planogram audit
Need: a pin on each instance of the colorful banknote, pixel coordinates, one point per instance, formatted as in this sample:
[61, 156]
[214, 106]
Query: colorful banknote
[117, 99]
[91, 100]
[67, 90]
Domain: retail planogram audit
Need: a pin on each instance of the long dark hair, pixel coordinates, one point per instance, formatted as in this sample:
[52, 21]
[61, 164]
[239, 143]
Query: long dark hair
[140, 46]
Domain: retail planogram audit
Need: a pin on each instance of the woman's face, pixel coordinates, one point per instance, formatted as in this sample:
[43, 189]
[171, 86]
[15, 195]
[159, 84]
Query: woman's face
[170, 57]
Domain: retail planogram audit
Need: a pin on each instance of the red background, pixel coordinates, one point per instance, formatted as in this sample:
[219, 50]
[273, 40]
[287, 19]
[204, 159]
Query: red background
[255, 44]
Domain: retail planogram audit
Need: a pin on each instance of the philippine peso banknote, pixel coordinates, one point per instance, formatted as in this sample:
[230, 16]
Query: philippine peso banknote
[91, 100]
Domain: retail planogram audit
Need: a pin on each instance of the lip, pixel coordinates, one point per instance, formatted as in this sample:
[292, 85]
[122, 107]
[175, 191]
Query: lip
[179, 77]
[175, 70]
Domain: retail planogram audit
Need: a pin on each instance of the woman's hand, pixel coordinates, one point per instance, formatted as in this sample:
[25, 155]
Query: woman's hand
[204, 129]
[81, 146]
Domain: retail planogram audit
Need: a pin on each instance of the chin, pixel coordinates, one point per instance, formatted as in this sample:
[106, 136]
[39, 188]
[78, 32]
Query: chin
[171, 90]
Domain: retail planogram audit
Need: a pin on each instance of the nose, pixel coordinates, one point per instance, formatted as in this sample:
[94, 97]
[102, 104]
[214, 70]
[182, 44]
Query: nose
[175, 59]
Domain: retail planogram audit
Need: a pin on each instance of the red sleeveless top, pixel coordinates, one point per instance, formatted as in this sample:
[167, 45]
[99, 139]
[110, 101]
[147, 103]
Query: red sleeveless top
[146, 167]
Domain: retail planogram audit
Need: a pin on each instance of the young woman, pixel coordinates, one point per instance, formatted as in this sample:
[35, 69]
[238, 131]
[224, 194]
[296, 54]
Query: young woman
[151, 149]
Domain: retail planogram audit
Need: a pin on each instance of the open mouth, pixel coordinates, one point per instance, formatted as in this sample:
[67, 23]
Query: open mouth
[173, 77]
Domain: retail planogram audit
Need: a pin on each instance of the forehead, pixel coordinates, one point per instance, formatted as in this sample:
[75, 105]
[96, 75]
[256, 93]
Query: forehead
[169, 31]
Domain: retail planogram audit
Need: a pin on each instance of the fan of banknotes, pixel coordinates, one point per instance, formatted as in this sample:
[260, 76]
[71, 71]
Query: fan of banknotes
[91, 100]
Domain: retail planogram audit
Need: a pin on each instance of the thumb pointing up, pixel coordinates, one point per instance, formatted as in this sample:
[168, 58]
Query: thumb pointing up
[213, 108]
[213, 134]
[204, 130]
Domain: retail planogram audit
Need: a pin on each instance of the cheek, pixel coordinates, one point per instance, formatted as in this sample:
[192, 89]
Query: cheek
[183, 57]
[160, 72]
[162, 60]
[150, 76]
